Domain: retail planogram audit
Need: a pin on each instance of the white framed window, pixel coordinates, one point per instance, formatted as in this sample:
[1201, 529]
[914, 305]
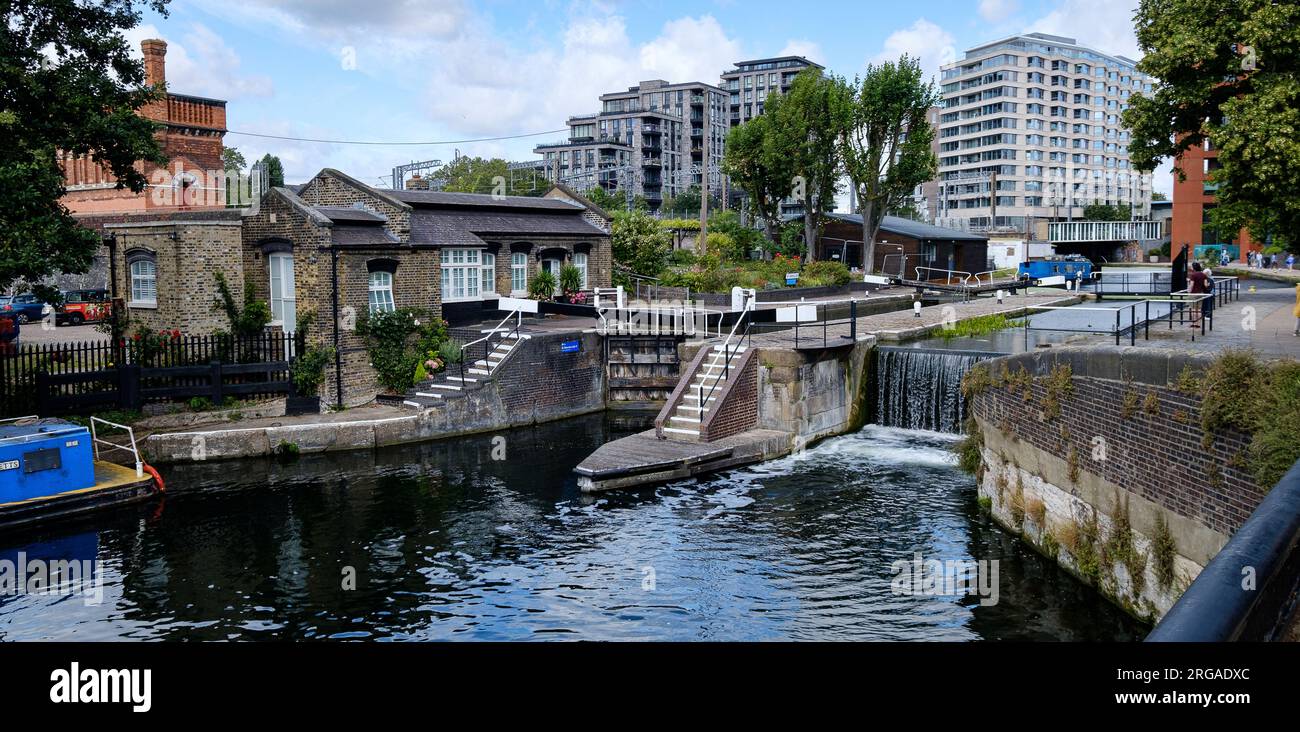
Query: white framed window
[144, 283]
[488, 276]
[381, 292]
[518, 272]
[284, 307]
[580, 261]
[460, 274]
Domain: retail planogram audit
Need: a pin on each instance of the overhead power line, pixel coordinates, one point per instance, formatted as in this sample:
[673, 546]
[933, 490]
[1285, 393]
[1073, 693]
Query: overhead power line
[379, 142]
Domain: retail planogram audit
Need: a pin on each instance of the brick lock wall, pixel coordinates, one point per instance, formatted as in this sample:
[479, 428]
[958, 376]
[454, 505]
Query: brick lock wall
[737, 404]
[538, 377]
[1158, 457]
[186, 265]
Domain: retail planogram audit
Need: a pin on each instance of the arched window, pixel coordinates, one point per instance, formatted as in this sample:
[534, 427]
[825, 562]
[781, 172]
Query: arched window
[580, 261]
[518, 272]
[488, 279]
[381, 292]
[144, 282]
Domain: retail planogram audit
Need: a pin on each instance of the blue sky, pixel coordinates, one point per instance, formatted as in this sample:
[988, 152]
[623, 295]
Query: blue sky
[437, 70]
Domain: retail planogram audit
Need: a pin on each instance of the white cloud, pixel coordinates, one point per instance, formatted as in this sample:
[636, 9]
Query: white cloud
[200, 63]
[996, 11]
[1106, 25]
[803, 47]
[922, 40]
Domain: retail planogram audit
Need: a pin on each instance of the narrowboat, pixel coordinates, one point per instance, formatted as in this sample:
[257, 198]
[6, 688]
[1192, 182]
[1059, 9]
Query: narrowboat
[1073, 268]
[52, 468]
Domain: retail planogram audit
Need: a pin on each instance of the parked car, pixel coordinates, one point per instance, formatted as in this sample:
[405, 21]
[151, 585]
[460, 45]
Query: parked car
[25, 308]
[83, 306]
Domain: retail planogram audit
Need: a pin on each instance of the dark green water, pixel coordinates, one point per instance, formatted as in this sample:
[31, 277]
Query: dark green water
[445, 542]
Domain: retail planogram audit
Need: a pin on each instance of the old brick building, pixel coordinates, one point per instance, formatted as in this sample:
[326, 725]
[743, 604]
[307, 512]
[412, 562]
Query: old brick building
[334, 249]
[191, 133]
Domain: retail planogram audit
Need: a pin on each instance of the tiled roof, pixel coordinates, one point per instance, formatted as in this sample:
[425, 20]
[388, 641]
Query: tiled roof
[453, 227]
[358, 215]
[442, 198]
[352, 234]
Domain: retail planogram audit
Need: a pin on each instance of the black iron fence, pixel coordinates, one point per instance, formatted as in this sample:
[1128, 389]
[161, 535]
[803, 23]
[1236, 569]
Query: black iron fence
[70, 378]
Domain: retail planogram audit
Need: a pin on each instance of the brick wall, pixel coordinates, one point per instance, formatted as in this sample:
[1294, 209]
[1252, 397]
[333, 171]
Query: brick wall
[1159, 457]
[538, 379]
[737, 408]
[188, 256]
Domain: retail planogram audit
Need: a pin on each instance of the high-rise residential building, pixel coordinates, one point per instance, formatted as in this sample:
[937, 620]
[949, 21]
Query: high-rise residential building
[656, 139]
[1036, 118]
[749, 84]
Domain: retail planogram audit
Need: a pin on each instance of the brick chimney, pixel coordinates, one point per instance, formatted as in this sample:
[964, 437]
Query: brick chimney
[155, 61]
[417, 183]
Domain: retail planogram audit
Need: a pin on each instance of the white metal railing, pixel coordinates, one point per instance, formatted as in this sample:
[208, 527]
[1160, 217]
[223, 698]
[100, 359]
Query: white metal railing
[1085, 231]
[725, 349]
[500, 327]
[949, 274]
[656, 320]
[130, 433]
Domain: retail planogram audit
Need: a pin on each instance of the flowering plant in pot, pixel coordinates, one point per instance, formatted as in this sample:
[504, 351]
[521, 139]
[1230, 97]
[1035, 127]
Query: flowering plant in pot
[570, 281]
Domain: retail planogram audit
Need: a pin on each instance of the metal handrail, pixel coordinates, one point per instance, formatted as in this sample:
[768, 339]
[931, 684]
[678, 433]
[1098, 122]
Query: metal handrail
[965, 281]
[97, 441]
[516, 314]
[726, 364]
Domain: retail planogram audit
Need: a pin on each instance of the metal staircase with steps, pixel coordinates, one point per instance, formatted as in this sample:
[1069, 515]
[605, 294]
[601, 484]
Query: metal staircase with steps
[497, 344]
[701, 394]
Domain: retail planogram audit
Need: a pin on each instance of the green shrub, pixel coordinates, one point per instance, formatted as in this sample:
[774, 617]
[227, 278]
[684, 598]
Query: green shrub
[542, 286]
[825, 274]
[570, 279]
[308, 370]
[397, 341]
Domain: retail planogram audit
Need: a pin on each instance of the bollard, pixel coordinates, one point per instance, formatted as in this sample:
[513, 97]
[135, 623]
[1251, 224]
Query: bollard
[916, 308]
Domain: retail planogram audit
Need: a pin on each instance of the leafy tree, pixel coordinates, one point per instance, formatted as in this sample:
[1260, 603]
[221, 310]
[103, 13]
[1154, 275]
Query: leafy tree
[639, 244]
[1158, 196]
[1104, 212]
[1229, 71]
[683, 204]
[232, 159]
[741, 240]
[68, 85]
[753, 165]
[610, 201]
[884, 140]
[804, 131]
[274, 170]
[481, 175]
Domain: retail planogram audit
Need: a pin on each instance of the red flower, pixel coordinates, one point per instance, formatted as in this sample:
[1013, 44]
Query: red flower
[135, 337]
[176, 334]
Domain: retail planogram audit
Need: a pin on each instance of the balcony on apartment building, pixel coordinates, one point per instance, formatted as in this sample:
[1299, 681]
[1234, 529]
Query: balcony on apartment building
[652, 162]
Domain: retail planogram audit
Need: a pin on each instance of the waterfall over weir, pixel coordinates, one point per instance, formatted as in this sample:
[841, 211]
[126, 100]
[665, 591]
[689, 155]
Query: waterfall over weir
[920, 389]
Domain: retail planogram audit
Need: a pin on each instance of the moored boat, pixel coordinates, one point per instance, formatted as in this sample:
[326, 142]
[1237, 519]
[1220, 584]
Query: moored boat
[53, 468]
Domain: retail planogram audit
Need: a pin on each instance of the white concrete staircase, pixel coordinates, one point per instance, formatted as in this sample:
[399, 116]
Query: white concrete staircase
[450, 383]
[696, 402]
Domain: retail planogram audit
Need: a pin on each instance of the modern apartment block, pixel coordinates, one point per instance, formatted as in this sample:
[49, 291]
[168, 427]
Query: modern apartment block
[1036, 117]
[750, 83]
[657, 139]
[1194, 197]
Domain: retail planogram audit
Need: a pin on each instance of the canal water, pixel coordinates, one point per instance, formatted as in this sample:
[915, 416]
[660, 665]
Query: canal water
[488, 538]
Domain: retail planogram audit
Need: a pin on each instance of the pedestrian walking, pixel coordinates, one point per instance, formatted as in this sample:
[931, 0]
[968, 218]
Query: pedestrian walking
[1199, 283]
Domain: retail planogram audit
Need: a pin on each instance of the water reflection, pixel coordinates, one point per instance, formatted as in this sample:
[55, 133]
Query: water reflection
[445, 542]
